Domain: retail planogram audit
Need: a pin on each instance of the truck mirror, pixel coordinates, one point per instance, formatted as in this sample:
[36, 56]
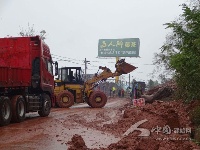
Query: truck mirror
[56, 68]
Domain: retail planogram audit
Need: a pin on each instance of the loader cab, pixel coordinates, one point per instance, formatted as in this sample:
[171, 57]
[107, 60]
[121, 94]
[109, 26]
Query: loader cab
[71, 75]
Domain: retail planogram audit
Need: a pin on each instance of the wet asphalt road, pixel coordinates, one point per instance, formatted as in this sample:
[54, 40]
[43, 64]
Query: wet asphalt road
[53, 132]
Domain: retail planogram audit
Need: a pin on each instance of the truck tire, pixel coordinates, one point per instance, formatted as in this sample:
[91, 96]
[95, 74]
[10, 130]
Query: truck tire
[65, 99]
[18, 108]
[5, 111]
[97, 99]
[46, 106]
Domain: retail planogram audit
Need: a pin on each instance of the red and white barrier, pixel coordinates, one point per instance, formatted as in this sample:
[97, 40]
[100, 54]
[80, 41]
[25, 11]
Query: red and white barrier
[138, 102]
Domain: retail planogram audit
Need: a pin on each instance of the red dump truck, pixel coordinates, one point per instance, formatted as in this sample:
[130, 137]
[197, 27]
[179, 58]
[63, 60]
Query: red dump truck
[26, 78]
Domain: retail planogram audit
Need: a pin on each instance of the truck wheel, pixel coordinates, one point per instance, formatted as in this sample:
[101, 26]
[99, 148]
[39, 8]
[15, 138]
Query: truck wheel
[46, 106]
[65, 99]
[5, 111]
[97, 99]
[18, 108]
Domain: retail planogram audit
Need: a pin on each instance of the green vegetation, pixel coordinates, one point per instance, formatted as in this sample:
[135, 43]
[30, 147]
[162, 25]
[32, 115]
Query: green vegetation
[195, 116]
[181, 52]
[151, 84]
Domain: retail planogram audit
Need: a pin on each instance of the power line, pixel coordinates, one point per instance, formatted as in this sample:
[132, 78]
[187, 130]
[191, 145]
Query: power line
[61, 58]
[74, 61]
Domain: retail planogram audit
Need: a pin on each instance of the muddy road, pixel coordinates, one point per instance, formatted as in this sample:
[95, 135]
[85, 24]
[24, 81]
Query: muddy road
[56, 130]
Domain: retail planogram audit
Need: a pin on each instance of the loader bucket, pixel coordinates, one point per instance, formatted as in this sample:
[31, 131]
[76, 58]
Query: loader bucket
[124, 68]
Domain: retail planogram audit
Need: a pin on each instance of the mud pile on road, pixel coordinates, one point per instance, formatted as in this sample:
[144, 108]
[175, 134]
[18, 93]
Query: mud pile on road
[76, 143]
[165, 125]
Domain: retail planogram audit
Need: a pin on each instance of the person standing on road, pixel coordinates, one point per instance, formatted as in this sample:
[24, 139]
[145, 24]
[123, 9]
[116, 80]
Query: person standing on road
[113, 91]
[122, 92]
[119, 93]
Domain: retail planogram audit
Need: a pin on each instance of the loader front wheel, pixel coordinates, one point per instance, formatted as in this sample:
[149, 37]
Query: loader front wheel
[65, 99]
[97, 99]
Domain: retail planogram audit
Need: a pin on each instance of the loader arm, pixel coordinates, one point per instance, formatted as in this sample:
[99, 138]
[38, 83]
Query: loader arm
[121, 68]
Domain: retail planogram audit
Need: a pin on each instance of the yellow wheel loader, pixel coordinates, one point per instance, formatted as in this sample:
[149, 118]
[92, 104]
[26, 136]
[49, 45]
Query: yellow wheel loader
[70, 87]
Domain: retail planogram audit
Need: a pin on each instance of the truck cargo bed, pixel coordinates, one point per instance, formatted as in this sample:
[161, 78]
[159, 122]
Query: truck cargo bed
[13, 77]
[15, 65]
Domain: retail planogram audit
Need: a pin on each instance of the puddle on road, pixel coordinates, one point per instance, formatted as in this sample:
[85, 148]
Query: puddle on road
[62, 134]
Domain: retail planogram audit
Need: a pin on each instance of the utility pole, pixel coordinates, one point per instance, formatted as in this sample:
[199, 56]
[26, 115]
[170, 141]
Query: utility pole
[85, 61]
[129, 79]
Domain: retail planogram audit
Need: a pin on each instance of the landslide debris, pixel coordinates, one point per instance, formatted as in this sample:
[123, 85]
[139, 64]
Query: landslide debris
[161, 116]
[160, 92]
[166, 121]
[77, 143]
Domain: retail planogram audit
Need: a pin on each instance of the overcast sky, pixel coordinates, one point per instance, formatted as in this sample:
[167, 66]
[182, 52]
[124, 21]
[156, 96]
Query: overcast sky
[74, 27]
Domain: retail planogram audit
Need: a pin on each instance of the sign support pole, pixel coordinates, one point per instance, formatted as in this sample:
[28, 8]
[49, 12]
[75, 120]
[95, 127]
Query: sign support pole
[117, 77]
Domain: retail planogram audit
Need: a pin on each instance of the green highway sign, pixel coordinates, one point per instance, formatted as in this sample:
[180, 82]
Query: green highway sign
[128, 47]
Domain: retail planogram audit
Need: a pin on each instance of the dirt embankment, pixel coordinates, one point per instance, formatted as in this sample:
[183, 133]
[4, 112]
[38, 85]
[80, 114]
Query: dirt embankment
[161, 92]
[167, 126]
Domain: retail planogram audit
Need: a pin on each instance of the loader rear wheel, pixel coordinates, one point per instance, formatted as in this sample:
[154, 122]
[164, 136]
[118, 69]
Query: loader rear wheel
[65, 99]
[5, 111]
[97, 99]
[46, 106]
[18, 108]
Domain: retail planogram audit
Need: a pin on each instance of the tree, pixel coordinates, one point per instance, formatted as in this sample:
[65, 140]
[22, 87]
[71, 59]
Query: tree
[163, 78]
[181, 51]
[30, 31]
[152, 84]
